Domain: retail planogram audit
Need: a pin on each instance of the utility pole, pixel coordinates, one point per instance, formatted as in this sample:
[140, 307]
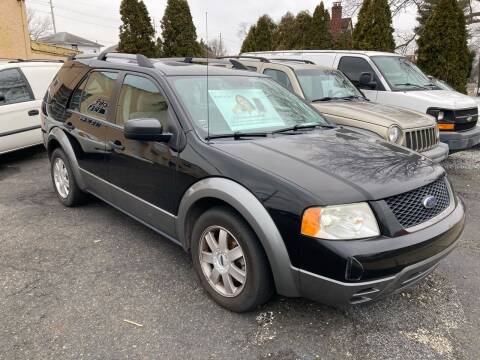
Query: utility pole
[53, 17]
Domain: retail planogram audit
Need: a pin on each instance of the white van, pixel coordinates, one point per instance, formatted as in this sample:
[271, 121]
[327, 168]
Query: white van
[391, 79]
[23, 84]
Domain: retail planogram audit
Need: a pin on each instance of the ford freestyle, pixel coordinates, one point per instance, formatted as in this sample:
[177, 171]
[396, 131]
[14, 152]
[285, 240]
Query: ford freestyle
[263, 192]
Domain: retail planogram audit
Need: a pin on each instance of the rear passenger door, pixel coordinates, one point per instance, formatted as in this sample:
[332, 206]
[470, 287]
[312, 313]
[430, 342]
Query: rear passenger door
[142, 172]
[19, 114]
[89, 112]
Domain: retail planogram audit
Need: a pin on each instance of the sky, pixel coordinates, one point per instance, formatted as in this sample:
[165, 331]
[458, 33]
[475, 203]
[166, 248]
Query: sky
[99, 20]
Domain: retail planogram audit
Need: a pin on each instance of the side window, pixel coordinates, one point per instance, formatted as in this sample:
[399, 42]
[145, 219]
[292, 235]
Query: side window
[353, 67]
[141, 98]
[77, 96]
[13, 87]
[96, 97]
[280, 77]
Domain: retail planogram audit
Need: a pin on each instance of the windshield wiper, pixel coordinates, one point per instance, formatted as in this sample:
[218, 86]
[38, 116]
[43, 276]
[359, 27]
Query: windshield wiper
[327, 98]
[303, 126]
[351, 97]
[236, 135]
[410, 84]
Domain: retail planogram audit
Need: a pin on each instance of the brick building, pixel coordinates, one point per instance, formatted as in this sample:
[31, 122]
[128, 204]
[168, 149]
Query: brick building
[338, 24]
[15, 40]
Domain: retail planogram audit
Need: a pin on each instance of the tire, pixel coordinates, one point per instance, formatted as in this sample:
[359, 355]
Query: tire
[229, 230]
[70, 194]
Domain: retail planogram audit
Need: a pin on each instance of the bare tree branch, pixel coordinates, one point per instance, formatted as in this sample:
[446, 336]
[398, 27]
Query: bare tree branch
[38, 26]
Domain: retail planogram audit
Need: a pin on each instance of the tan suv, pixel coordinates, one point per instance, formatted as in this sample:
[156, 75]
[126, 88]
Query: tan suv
[341, 102]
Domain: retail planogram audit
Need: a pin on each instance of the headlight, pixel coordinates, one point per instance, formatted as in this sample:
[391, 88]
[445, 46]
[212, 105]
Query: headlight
[394, 134]
[340, 222]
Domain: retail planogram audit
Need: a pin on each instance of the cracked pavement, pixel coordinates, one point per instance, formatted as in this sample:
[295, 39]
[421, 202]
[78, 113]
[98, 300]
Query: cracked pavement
[91, 283]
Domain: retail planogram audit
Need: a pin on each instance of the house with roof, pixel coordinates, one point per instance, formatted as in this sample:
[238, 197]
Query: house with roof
[67, 40]
[338, 24]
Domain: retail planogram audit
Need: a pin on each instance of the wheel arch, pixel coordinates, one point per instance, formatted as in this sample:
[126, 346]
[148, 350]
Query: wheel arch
[221, 191]
[58, 139]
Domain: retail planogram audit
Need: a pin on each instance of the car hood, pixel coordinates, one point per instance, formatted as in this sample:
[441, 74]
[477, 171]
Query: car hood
[375, 113]
[445, 99]
[337, 165]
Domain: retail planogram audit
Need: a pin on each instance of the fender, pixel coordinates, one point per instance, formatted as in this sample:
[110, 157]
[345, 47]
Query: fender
[256, 216]
[58, 134]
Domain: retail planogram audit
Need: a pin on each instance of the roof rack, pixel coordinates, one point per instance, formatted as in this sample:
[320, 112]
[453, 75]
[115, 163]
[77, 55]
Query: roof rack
[139, 59]
[294, 60]
[35, 60]
[219, 61]
[259, 58]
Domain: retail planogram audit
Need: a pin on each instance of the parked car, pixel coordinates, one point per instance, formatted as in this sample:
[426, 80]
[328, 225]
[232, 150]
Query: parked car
[22, 86]
[261, 190]
[341, 102]
[391, 79]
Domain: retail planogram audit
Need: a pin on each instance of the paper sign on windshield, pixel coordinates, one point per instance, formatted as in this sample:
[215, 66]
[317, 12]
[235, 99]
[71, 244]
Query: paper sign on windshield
[246, 109]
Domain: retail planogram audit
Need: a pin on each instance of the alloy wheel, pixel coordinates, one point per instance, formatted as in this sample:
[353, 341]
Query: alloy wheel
[60, 177]
[222, 261]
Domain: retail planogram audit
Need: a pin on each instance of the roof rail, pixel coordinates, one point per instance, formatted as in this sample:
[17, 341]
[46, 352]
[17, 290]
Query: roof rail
[140, 59]
[35, 60]
[295, 60]
[259, 58]
[220, 61]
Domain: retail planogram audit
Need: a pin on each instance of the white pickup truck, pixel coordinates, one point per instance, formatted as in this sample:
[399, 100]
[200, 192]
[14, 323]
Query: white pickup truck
[391, 79]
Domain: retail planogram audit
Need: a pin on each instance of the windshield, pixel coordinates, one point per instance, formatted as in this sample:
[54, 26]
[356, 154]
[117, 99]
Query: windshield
[241, 104]
[401, 74]
[321, 84]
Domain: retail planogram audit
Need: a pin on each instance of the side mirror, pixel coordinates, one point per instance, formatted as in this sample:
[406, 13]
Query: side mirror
[145, 130]
[366, 81]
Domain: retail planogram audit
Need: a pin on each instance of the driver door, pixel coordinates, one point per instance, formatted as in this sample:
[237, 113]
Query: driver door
[353, 67]
[142, 172]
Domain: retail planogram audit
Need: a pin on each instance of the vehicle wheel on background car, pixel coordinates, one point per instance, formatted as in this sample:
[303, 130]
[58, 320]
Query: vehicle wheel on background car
[230, 261]
[63, 180]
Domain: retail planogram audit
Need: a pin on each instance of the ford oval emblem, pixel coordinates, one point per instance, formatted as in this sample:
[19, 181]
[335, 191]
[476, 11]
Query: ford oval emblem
[429, 202]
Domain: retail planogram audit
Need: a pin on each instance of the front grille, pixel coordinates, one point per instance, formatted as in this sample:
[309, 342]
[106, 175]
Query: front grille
[409, 209]
[466, 119]
[421, 140]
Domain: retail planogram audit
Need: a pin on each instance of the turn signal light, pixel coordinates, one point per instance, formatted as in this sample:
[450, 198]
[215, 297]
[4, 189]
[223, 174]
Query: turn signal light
[446, 126]
[311, 222]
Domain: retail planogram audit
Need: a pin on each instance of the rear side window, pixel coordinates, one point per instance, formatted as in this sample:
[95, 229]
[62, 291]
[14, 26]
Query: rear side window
[77, 96]
[140, 98]
[280, 77]
[95, 98]
[13, 87]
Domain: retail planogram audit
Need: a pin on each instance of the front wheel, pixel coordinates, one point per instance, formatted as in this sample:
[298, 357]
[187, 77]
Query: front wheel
[230, 261]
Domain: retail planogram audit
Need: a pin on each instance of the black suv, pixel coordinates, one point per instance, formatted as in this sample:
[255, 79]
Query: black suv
[257, 186]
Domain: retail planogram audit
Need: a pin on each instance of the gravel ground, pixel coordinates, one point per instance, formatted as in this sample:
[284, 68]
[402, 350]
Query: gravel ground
[90, 283]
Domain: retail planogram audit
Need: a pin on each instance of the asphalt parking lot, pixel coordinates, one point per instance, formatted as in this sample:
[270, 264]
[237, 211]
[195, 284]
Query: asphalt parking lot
[78, 283]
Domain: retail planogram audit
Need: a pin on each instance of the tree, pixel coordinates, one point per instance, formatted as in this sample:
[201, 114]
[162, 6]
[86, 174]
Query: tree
[178, 31]
[248, 44]
[284, 38]
[425, 11]
[260, 37]
[344, 41]
[319, 36]
[442, 45]
[303, 22]
[374, 29]
[137, 34]
[38, 26]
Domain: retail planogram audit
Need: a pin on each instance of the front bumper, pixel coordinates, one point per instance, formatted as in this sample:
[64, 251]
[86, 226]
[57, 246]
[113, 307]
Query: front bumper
[438, 153]
[461, 140]
[339, 293]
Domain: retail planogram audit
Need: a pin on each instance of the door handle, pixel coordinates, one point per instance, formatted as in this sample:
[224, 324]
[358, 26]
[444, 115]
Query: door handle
[33, 112]
[116, 145]
[69, 126]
